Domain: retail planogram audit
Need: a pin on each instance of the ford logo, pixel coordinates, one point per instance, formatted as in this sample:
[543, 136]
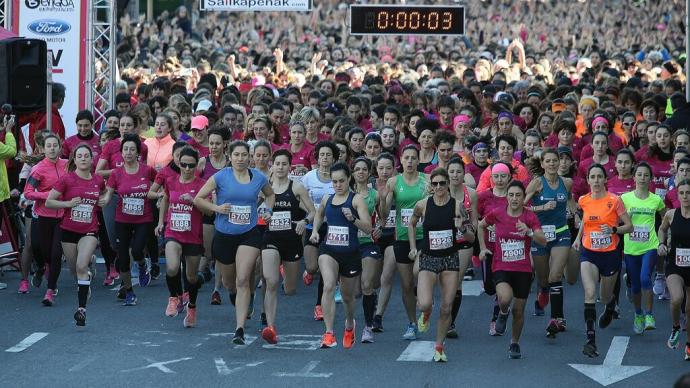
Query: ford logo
[49, 27]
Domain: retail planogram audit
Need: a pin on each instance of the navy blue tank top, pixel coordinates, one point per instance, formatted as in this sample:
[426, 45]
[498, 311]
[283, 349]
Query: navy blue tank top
[342, 234]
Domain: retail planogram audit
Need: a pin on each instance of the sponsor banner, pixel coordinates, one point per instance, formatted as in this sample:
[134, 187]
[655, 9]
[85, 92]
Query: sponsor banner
[256, 5]
[63, 25]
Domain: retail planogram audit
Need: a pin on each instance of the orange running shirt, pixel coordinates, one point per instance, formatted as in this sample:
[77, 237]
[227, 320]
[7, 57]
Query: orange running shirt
[598, 212]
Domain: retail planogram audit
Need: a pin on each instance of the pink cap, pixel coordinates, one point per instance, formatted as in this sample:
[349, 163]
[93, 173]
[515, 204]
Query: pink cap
[199, 122]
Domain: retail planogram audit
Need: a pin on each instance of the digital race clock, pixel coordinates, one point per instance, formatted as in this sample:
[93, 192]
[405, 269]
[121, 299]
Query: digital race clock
[407, 19]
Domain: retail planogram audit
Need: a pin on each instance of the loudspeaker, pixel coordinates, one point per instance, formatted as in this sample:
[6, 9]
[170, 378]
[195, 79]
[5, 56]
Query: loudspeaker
[23, 64]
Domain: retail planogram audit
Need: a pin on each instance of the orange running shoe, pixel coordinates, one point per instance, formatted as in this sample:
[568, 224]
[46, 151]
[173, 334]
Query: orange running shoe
[349, 337]
[190, 319]
[269, 335]
[307, 278]
[318, 313]
[328, 340]
[172, 310]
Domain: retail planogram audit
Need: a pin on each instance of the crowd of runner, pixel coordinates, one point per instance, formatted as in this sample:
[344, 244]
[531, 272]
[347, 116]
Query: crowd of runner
[543, 171]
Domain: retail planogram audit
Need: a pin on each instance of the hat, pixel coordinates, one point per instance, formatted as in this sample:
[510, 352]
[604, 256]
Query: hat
[505, 97]
[557, 107]
[199, 122]
[489, 90]
[565, 150]
[203, 106]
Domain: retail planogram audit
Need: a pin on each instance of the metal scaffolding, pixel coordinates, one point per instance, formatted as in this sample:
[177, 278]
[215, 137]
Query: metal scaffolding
[5, 13]
[101, 58]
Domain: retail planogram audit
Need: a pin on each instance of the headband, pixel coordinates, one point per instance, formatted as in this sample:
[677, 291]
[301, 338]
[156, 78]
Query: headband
[505, 114]
[479, 146]
[500, 168]
[599, 120]
[460, 119]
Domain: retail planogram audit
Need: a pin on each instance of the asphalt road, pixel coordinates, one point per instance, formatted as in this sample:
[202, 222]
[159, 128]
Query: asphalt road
[139, 346]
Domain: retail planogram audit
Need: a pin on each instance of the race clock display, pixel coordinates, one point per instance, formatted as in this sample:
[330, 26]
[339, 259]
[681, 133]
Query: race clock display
[407, 20]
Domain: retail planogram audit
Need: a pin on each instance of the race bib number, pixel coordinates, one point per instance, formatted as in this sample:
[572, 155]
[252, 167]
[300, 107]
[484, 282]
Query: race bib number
[640, 233]
[492, 234]
[512, 251]
[240, 215]
[180, 222]
[390, 221]
[440, 239]
[683, 257]
[600, 240]
[549, 232]
[405, 216]
[280, 221]
[133, 206]
[82, 213]
[338, 236]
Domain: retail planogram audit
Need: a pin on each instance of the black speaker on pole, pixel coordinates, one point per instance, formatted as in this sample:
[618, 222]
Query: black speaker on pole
[23, 73]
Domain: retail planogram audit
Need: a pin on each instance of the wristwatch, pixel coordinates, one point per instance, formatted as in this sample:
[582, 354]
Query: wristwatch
[530, 233]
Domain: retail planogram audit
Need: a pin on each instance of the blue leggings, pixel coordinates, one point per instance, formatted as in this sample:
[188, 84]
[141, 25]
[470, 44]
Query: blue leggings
[639, 269]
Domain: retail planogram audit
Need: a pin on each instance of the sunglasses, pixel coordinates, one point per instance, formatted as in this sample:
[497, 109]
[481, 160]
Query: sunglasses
[439, 183]
[187, 165]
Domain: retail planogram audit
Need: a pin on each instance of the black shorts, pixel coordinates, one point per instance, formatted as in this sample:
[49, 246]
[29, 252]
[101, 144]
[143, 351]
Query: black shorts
[209, 220]
[520, 282]
[289, 249]
[307, 234]
[370, 250]
[224, 246]
[673, 269]
[438, 264]
[385, 241]
[70, 237]
[349, 264]
[188, 249]
[402, 250]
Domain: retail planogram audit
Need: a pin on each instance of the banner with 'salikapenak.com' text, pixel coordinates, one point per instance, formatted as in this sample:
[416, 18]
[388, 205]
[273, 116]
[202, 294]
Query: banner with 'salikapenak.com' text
[256, 5]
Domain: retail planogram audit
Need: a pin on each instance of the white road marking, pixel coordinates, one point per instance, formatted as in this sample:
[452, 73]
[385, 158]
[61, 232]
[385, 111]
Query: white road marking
[161, 366]
[305, 372]
[248, 339]
[26, 342]
[223, 369]
[296, 342]
[82, 364]
[612, 370]
[418, 351]
[472, 288]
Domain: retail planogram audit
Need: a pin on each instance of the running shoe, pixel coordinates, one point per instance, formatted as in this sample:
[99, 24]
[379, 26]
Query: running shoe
[423, 322]
[649, 322]
[605, 319]
[144, 276]
[628, 288]
[349, 337]
[410, 332]
[367, 335]
[543, 299]
[130, 299]
[378, 324]
[173, 306]
[659, 284]
[590, 349]
[514, 351]
[538, 310]
[328, 340]
[48, 298]
[108, 280]
[469, 274]
[207, 275]
[666, 295]
[307, 278]
[439, 354]
[190, 318]
[155, 271]
[238, 339]
[215, 298]
[80, 316]
[269, 335]
[562, 324]
[492, 328]
[37, 279]
[501, 323]
[552, 329]
[121, 293]
[113, 273]
[452, 332]
[687, 351]
[318, 313]
[23, 286]
[185, 298]
[638, 324]
[338, 295]
[674, 338]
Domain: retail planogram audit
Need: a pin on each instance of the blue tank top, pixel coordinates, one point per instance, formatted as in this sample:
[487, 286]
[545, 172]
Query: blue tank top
[242, 198]
[558, 216]
[342, 234]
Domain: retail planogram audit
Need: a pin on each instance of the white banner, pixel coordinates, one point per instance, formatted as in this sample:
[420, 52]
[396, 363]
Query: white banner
[62, 24]
[256, 5]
